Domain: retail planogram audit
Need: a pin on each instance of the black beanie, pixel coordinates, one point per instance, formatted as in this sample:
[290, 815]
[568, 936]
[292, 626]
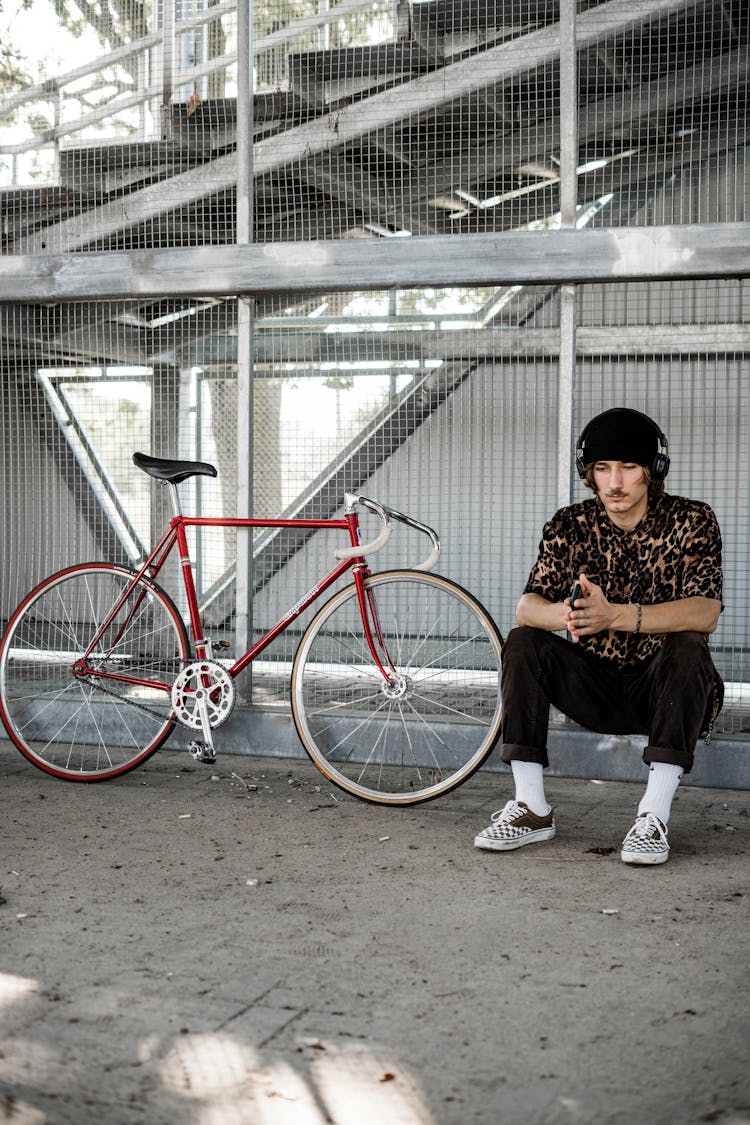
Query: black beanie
[620, 435]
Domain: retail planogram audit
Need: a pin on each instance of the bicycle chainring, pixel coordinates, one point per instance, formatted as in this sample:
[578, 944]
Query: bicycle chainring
[203, 680]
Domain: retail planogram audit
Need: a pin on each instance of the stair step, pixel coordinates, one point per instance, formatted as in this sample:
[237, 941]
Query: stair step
[200, 131]
[104, 168]
[432, 18]
[216, 115]
[453, 31]
[321, 77]
[27, 208]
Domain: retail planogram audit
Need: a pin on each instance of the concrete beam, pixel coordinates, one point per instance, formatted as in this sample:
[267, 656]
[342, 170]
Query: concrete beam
[491, 344]
[512, 258]
[574, 752]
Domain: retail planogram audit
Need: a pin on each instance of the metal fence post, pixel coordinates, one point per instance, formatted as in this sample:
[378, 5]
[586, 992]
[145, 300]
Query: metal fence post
[245, 318]
[166, 64]
[568, 199]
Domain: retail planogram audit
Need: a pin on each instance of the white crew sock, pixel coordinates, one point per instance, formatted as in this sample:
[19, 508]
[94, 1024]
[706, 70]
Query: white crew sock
[663, 780]
[529, 779]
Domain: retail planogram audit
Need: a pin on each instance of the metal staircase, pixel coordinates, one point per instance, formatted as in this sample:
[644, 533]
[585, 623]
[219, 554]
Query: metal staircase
[454, 128]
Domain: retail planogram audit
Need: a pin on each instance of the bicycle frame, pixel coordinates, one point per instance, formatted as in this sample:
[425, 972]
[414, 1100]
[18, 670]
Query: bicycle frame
[176, 536]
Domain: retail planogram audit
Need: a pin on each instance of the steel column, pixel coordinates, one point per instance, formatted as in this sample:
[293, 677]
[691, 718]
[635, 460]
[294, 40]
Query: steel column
[568, 200]
[245, 310]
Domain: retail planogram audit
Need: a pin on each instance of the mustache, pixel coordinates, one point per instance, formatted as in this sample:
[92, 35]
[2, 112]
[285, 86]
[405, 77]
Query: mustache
[616, 494]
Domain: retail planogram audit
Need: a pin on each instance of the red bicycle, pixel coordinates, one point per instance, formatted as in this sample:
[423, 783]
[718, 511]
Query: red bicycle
[395, 686]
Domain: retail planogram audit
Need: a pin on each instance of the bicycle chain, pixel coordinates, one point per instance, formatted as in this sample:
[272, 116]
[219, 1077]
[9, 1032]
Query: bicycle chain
[196, 749]
[95, 682]
[99, 685]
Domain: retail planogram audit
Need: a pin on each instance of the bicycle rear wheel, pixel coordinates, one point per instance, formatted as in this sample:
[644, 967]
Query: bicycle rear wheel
[90, 728]
[426, 731]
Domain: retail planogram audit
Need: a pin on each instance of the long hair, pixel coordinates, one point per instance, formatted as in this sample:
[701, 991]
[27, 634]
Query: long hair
[655, 487]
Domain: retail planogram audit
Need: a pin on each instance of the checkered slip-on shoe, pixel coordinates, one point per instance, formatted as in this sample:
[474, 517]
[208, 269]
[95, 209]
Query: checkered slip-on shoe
[514, 826]
[646, 842]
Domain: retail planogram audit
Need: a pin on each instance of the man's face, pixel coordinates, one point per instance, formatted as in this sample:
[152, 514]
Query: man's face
[623, 489]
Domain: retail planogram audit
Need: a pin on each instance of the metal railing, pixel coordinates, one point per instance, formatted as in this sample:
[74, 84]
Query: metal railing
[154, 78]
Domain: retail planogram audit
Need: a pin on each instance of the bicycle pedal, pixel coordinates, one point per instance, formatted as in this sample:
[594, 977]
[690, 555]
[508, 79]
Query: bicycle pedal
[201, 752]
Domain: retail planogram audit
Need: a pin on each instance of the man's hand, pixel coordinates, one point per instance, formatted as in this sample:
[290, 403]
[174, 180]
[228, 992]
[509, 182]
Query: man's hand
[592, 612]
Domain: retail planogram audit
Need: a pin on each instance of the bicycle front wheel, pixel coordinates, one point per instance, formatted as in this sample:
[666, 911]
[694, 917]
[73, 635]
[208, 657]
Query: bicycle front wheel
[432, 723]
[95, 726]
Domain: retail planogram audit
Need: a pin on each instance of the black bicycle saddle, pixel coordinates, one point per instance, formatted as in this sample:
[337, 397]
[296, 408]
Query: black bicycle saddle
[174, 471]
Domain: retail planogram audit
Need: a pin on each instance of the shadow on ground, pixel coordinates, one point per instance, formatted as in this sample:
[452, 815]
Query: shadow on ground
[241, 944]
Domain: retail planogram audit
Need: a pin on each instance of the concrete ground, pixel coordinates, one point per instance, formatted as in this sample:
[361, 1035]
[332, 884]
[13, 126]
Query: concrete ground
[179, 946]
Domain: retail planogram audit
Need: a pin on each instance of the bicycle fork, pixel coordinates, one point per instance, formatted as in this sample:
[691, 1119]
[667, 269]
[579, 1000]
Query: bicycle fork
[373, 630]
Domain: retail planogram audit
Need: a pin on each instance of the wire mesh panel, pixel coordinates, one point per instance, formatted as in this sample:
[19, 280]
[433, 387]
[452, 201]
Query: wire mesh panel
[372, 119]
[369, 120]
[681, 354]
[373, 393]
[441, 403]
[134, 145]
[662, 114]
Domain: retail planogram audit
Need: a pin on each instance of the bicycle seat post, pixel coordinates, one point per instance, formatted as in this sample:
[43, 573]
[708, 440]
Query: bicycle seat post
[174, 497]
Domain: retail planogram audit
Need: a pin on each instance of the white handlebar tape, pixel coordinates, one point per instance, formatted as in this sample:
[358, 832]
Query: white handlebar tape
[366, 548]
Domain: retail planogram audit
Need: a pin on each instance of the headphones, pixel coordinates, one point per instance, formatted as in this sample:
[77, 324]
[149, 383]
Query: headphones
[659, 466]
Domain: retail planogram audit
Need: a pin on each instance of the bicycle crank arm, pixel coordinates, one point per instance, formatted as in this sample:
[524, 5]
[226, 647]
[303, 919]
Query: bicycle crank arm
[208, 738]
[203, 751]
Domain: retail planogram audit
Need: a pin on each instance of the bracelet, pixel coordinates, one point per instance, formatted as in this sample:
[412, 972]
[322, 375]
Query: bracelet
[638, 616]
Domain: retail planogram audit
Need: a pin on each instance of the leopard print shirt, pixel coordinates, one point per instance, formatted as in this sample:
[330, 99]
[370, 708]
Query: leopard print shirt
[673, 553]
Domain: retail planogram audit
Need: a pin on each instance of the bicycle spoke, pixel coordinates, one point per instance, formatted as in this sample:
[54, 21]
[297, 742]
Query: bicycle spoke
[367, 721]
[357, 649]
[381, 737]
[446, 709]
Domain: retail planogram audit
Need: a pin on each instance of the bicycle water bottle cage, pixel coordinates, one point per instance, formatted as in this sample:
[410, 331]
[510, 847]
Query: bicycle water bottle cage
[162, 468]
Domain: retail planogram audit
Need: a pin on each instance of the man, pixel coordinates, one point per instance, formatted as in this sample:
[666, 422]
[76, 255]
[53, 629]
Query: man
[636, 659]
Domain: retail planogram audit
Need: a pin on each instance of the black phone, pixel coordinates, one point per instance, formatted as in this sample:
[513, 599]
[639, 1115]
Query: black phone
[574, 594]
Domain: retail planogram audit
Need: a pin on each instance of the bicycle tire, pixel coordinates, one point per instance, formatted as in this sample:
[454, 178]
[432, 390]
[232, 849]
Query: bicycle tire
[90, 730]
[418, 741]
